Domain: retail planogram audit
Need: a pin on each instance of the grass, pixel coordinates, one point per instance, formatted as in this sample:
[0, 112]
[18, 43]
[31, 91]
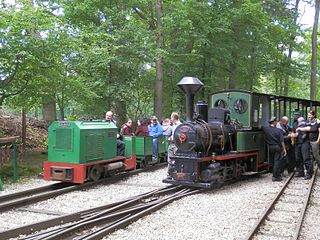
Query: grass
[30, 166]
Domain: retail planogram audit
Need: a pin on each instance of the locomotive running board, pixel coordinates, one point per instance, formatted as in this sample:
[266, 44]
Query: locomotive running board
[253, 173]
[249, 173]
[191, 184]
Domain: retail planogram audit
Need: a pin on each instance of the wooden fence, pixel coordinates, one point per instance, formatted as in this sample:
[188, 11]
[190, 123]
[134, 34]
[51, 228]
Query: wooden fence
[6, 153]
[9, 152]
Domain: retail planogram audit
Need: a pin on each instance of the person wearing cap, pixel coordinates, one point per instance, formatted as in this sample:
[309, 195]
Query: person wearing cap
[276, 148]
[155, 130]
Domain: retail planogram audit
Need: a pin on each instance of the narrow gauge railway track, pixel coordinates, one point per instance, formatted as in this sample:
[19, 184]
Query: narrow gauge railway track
[102, 220]
[31, 196]
[283, 218]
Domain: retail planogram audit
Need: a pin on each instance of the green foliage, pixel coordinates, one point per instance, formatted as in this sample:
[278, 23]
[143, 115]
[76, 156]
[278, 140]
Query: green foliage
[24, 170]
[95, 55]
[72, 118]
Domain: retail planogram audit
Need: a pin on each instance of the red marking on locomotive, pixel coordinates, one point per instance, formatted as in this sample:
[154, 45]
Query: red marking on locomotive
[58, 171]
[182, 138]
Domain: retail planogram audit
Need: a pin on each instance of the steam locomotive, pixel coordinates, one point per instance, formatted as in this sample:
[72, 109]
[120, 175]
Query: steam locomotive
[223, 140]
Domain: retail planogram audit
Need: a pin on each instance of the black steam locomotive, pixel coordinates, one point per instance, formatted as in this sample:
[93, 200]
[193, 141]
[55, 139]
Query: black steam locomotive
[223, 140]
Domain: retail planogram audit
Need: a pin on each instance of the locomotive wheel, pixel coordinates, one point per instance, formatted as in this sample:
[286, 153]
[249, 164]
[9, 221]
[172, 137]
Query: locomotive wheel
[95, 173]
[143, 163]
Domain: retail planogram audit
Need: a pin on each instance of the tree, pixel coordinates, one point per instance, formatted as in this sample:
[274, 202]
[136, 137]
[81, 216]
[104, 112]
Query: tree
[158, 106]
[16, 51]
[313, 77]
[90, 56]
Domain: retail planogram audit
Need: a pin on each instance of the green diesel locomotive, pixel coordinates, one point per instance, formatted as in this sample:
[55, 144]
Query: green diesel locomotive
[79, 151]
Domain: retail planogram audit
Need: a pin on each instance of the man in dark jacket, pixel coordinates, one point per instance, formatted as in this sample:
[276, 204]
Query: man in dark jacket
[314, 136]
[276, 148]
[289, 160]
[306, 133]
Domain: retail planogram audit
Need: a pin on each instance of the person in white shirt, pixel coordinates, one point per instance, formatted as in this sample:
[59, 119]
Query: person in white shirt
[172, 147]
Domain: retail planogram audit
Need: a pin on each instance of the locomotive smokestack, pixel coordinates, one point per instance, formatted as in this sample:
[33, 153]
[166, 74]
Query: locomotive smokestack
[189, 86]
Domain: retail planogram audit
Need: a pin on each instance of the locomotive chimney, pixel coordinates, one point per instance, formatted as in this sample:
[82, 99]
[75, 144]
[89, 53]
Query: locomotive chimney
[189, 86]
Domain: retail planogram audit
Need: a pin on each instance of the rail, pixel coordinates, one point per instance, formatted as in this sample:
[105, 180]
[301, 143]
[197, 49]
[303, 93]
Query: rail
[104, 219]
[265, 221]
[31, 196]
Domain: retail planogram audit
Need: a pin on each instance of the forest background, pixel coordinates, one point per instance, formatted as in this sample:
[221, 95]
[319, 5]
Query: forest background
[66, 59]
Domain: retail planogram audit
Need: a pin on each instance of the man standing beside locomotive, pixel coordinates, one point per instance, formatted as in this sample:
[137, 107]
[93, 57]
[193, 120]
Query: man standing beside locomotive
[302, 151]
[172, 148]
[313, 128]
[289, 160]
[314, 135]
[276, 148]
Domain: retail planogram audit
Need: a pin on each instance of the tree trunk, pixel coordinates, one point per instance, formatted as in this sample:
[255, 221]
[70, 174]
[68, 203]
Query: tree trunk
[203, 77]
[288, 63]
[252, 68]
[121, 113]
[1, 99]
[108, 83]
[61, 109]
[24, 128]
[236, 4]
[232, 71]
[313, 78]
[158, 106]
[49, 109]
[36, 112]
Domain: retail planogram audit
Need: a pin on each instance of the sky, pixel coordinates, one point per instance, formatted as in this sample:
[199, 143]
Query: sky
[305, 10]
[307, 14]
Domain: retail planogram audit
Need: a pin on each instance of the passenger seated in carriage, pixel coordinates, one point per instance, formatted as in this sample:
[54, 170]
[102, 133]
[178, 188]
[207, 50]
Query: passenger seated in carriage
[155, 130]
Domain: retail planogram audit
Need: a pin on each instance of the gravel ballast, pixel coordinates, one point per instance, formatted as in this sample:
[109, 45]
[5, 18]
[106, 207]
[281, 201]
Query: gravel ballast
[225, 213]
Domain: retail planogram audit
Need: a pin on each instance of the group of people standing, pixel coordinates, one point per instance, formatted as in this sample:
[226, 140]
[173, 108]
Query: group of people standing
[294, 147]
[147, 127]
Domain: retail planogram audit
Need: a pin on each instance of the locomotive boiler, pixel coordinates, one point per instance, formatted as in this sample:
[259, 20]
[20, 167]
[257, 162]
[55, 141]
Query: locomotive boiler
[202, 137]
[212, 145]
